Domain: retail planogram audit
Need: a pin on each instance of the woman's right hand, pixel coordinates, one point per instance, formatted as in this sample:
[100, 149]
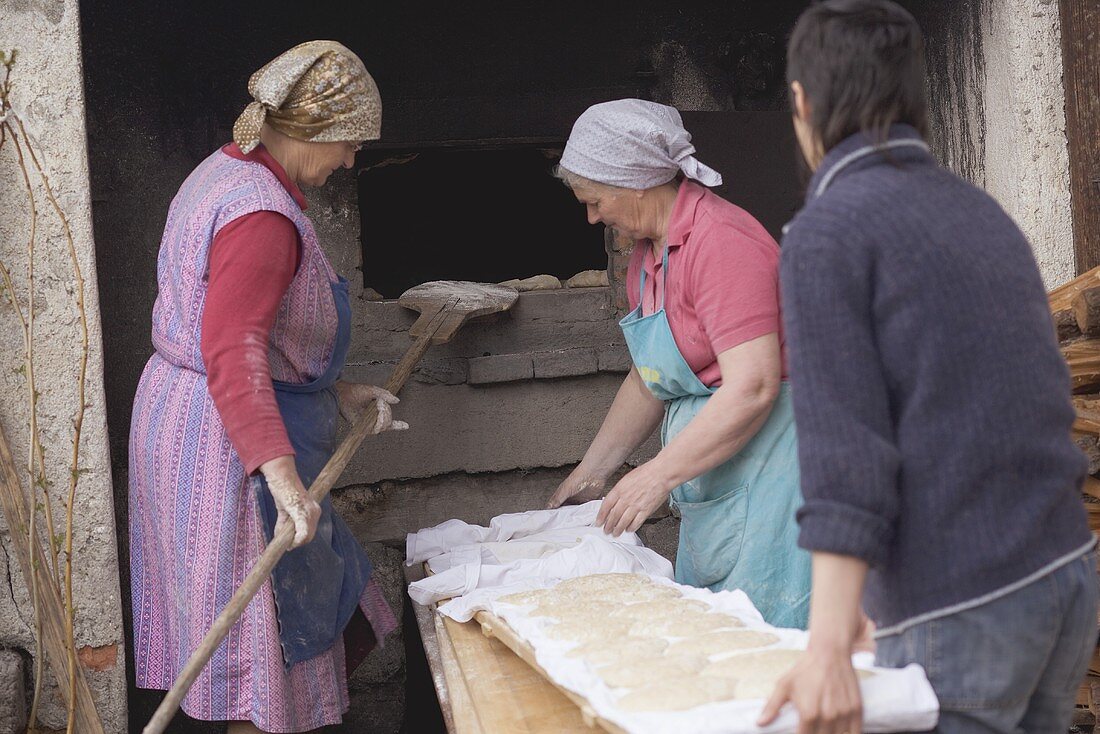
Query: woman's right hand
[579, 487]
[291, 499]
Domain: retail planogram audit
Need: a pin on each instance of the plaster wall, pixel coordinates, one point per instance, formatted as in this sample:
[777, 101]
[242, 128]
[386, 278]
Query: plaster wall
[998, 113]
[1026, 156]
[48, 95]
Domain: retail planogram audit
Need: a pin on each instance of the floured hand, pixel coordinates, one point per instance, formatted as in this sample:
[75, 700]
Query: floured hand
[356, 397]
[637, 496]
[578, 487]
[291, 499]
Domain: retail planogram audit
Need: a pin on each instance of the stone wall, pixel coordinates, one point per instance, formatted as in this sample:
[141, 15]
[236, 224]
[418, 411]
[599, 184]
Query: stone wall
[49, 96]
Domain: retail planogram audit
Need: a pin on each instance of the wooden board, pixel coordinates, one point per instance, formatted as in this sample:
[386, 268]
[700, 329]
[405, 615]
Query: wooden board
[499, 632]
[483, 686]
[507, 693]
[464, 716]
[426, 621]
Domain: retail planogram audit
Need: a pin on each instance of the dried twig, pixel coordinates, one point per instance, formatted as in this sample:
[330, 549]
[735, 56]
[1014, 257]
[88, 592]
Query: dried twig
[78, 418]
[54, 578]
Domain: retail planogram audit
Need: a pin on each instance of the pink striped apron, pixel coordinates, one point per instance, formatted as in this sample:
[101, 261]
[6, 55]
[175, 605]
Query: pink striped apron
[195, 527]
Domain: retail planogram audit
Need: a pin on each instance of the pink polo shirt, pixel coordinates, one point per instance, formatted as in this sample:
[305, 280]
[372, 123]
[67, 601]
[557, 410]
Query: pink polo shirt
[723, 285]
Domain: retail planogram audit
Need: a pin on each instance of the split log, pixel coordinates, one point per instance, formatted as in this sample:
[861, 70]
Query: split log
[1088, 414]
[1086, 311]
[1091, 489]
[1065, 324]
[1061, 298]
[1083, 358]
[1090, 447]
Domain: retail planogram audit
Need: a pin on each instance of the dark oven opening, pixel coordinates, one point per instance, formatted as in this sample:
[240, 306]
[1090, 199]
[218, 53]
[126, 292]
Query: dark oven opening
[482, 214]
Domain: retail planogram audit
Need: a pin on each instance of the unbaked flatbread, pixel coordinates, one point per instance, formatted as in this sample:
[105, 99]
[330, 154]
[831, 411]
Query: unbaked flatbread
[651, 670]
[619, 651]
[634, 595]
[587, 631]
[722, 641]
[657, 608]
[684, 624]
[756, 673]
[597, 582]
[590, 610]
[678, 694]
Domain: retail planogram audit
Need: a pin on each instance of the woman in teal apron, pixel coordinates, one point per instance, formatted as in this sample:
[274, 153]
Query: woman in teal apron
[707, 353]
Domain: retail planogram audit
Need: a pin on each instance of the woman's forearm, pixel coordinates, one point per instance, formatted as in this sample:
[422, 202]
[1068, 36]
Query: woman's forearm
[633, 417]
[732, 415]
[725, 424]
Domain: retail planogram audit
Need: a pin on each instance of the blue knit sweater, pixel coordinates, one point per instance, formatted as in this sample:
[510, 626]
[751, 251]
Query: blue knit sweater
[931, 402]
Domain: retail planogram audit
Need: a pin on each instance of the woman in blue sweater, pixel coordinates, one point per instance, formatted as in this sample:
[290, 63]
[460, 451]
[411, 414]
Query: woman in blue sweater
[941, 486]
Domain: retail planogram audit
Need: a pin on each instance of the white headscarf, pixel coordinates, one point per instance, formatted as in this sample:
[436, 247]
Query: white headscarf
[633, 144]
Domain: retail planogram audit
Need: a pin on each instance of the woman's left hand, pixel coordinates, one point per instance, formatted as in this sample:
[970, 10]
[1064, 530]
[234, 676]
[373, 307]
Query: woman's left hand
[636, 496]
[356, 397]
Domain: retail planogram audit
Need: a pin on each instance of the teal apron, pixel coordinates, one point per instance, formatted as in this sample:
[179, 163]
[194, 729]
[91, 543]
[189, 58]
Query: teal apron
[316, 586]
[738, 528]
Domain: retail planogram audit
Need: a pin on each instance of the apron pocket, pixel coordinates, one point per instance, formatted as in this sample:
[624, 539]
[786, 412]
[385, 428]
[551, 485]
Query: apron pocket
[712, 532]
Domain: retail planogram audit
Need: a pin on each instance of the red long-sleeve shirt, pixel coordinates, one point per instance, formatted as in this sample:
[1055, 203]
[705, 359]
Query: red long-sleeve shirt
[251, 264]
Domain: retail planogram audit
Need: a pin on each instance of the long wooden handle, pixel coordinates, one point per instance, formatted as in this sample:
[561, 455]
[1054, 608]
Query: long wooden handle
[280, 544]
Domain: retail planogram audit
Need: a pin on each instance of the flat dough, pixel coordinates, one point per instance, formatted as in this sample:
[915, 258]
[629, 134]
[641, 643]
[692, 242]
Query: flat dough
[684, 624]
[620, 651]
[617, 592]
[651, 670]
[604, 581]
[628, 595]
[678, 694]
[587, 631]
[590, 610]
[659, 608]
[618, 588]
[723, 641]
[756, 673]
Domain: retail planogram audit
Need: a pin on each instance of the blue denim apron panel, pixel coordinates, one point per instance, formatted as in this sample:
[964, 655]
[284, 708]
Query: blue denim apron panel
[738, 528]
[317, 586]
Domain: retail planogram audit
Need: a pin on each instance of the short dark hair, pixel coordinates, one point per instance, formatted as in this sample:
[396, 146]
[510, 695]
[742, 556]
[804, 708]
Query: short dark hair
[861, 66]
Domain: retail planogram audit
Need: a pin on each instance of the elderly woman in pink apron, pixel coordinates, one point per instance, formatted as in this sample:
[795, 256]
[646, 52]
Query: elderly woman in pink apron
[236, 414]
[709, 367]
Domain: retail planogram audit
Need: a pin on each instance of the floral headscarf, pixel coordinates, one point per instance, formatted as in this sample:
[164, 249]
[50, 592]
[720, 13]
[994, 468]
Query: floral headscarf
[318, 91]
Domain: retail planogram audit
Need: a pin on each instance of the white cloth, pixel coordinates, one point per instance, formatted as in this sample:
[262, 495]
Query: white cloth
[445, 537]
[633, 144]
[527, 548]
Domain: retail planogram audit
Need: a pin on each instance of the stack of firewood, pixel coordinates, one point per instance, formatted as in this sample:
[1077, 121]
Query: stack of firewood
[1076, 310]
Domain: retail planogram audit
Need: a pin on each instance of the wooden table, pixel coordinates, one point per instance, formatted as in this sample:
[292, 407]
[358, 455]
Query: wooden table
[484, 687]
